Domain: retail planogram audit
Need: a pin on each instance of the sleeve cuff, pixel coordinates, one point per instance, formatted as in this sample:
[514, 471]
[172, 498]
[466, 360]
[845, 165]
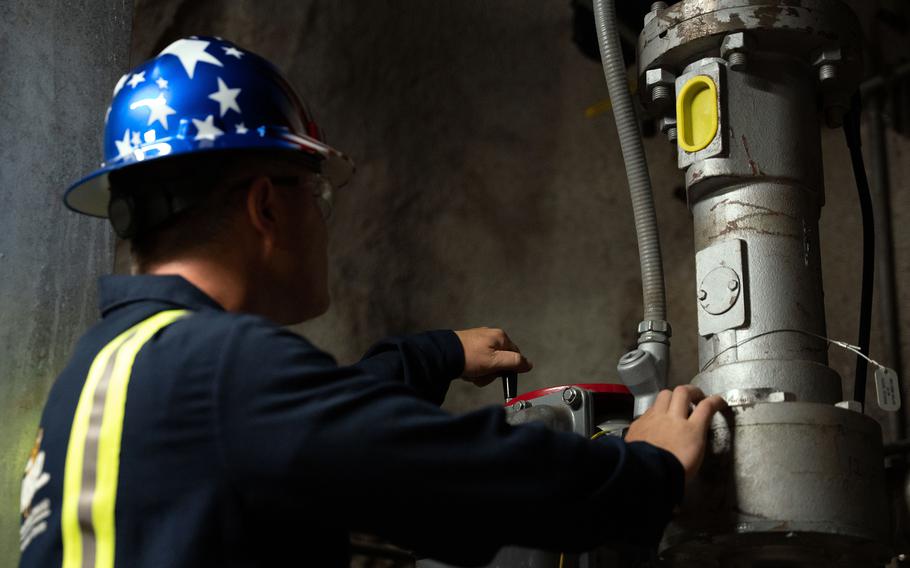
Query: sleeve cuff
[427, 362]
[449, 347]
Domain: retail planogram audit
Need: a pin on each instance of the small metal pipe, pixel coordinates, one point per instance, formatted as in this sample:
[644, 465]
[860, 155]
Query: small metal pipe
[889, 308]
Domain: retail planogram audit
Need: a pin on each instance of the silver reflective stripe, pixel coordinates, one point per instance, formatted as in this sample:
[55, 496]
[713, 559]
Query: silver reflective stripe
[90, 461]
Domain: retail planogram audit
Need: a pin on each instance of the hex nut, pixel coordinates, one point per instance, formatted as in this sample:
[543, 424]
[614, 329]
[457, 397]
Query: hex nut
[655, 78]
[733, 43]
[572, 397]
[659, 326]
[667, 126]
[652, 13]
[825, 56]
[777, 396]
[734, 48]
[520, 405]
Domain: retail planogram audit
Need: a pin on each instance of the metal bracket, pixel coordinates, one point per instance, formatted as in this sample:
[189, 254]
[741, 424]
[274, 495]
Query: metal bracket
[571, 410]
[721, 287]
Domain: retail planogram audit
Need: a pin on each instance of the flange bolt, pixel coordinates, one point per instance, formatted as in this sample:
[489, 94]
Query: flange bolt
[827, 72]
[572, 397]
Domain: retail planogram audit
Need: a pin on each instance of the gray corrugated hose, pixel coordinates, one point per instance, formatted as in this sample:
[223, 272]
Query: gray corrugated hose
[633, 153]
[643, 370]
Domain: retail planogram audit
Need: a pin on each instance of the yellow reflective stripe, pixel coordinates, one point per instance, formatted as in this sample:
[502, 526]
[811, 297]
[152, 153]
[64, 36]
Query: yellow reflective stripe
[90, 542]
[111, 432]
[75, 452]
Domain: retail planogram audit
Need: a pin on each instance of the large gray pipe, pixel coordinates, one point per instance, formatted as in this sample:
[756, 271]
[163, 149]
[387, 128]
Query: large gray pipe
[633, 153]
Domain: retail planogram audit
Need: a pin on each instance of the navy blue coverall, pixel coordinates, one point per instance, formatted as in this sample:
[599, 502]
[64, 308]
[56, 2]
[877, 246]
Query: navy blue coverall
[244, 445]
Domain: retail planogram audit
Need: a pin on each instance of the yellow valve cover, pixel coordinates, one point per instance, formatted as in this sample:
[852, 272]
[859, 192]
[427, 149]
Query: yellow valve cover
[696, 113]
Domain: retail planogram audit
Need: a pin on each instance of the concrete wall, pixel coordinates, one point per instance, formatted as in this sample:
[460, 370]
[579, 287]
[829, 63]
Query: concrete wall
[484, 195]
[58, 63]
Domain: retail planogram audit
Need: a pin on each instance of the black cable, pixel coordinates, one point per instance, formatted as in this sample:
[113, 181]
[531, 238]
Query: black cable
[854, 143]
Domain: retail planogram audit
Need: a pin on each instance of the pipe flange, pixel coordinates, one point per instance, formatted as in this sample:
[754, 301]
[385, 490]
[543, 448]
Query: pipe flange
[689, 30]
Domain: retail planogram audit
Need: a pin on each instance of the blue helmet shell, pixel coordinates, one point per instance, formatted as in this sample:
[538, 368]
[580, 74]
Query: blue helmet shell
[202, 94]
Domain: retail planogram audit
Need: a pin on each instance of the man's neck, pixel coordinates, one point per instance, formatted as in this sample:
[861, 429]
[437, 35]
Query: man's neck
[217, 281]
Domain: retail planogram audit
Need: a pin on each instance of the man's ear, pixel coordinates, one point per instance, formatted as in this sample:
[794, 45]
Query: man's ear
[261, 207]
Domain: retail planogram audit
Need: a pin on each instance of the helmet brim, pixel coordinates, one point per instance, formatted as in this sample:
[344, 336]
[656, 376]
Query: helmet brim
[91, 194]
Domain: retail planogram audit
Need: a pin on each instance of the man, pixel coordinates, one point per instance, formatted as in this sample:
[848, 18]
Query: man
[189, 429]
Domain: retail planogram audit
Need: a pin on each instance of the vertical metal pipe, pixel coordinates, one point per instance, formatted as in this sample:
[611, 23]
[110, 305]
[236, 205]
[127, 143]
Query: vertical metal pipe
[766, 193]
[889, 310]
[791, 477]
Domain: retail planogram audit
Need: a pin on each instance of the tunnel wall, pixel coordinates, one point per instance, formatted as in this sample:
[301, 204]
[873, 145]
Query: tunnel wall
[486, 193]
[59, 60]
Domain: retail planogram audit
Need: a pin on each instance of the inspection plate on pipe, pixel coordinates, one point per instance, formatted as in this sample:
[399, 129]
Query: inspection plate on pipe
[721, 291]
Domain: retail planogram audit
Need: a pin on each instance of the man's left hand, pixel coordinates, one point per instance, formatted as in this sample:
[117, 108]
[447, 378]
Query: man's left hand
[488, 353]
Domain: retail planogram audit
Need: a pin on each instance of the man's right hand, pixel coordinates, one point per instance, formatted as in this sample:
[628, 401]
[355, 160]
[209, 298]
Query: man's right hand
[488, 353]
[668, 425]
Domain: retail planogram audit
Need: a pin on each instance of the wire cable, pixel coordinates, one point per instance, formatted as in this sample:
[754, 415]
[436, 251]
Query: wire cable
[848, 346]
[854, 143]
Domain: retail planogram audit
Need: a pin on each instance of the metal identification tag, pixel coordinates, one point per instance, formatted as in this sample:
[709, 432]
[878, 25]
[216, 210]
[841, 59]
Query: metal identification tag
[887, 389]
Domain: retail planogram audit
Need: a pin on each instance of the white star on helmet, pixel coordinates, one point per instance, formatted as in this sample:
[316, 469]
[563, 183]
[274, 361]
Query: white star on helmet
[206, 129]
[190, 52]
[226, 98]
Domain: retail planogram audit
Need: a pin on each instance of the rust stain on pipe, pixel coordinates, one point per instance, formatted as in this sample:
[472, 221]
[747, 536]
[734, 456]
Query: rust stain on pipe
[756, 171]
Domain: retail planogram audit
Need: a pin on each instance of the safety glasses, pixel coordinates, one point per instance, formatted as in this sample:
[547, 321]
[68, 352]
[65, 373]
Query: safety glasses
[318, 185]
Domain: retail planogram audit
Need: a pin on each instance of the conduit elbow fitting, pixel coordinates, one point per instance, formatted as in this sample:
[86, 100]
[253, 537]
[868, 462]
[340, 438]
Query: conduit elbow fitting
[644, 370]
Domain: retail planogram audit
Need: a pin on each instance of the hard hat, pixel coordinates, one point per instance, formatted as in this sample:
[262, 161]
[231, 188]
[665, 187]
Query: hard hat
[203, 95]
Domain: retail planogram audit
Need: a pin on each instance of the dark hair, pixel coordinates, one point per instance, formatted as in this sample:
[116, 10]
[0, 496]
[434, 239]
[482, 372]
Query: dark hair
[179, 205]
[187, 203]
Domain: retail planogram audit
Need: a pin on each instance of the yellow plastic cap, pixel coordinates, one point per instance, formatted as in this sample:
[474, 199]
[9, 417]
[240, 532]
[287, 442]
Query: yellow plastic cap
[696, 113]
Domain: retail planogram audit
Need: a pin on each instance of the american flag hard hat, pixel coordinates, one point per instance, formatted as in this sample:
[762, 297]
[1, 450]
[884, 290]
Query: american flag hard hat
[203, 94]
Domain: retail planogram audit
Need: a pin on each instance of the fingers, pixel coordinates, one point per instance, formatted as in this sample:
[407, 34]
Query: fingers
[679, 402]
[683, 397]
[662, 402]
[490, 352]
[499, 339]
[706, 409]
[507, 343]
[511, 361]
[506, 354]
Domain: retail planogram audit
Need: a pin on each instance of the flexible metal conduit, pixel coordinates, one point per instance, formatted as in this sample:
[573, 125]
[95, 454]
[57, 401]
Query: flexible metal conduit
[633, 153]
